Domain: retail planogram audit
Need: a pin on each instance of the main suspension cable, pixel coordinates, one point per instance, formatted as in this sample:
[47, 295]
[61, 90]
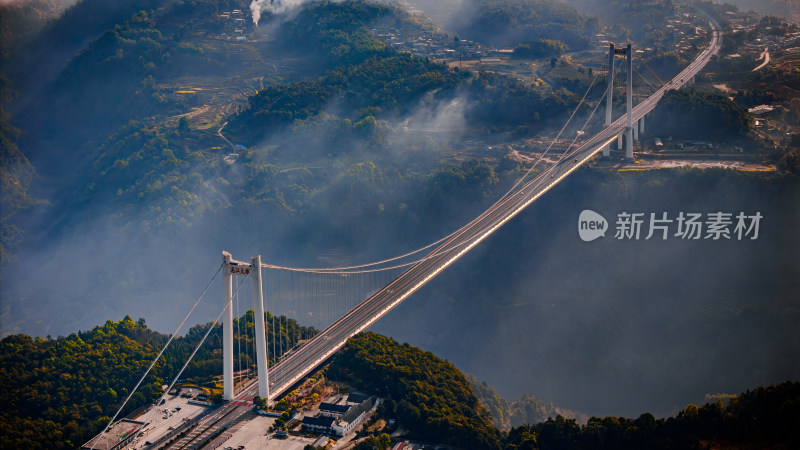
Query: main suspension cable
[364, 267]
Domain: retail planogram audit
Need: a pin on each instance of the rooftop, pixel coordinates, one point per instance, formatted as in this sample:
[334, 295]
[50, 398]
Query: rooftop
[334, 408]
[356, 398]
[356, 411]
[115, 435]
[318, 421]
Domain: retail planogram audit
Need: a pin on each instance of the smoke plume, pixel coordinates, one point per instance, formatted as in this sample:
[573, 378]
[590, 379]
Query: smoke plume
[257, 7]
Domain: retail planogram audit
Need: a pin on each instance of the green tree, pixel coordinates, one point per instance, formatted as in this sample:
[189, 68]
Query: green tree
[433, 397]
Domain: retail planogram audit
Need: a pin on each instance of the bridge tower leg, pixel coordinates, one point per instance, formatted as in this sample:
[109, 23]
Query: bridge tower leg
[629, 130]
[261, 334]
[610, 92]
[641, 125]
[227, 328]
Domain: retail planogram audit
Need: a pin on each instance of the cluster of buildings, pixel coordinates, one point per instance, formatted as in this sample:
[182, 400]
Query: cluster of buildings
[686, 32]
[742, 22]
[658, 144]
[339, 418]
[233, 23]
[431, 45]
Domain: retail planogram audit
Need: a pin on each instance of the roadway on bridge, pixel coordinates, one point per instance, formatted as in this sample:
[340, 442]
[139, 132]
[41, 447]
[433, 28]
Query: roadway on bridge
[292, 368]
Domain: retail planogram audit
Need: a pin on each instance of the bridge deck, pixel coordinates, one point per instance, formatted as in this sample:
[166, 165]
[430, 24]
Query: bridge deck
[292, 368]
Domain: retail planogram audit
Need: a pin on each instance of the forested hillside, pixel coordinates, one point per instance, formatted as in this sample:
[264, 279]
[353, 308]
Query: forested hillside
[509, 22]
[16, 176]
[58, 392]
[113, 70]
[639, 19]
[428, 395]
[21, 19]
[700, 115]
[762, 418]
[370, 80]
[508, 414]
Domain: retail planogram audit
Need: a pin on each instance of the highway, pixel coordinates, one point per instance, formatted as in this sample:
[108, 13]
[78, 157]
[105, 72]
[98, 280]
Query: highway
[293, 368]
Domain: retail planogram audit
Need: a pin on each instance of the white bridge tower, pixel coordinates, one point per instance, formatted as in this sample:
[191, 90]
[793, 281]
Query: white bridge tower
[629, 132]
[230, 268]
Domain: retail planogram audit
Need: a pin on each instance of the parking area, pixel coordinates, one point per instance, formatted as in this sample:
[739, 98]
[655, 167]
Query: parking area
[253, 435]
[173, 413]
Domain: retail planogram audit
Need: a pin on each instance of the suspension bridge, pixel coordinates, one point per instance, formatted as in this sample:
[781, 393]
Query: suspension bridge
[323, 307]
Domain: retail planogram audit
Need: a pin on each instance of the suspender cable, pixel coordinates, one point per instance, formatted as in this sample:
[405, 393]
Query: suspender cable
[652, 71]
[645, 79]
[280, 318]
[238, 343]
[272, 313]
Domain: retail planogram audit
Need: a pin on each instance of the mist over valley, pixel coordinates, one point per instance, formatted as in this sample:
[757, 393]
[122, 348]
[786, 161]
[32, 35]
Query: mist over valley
[141, 138]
